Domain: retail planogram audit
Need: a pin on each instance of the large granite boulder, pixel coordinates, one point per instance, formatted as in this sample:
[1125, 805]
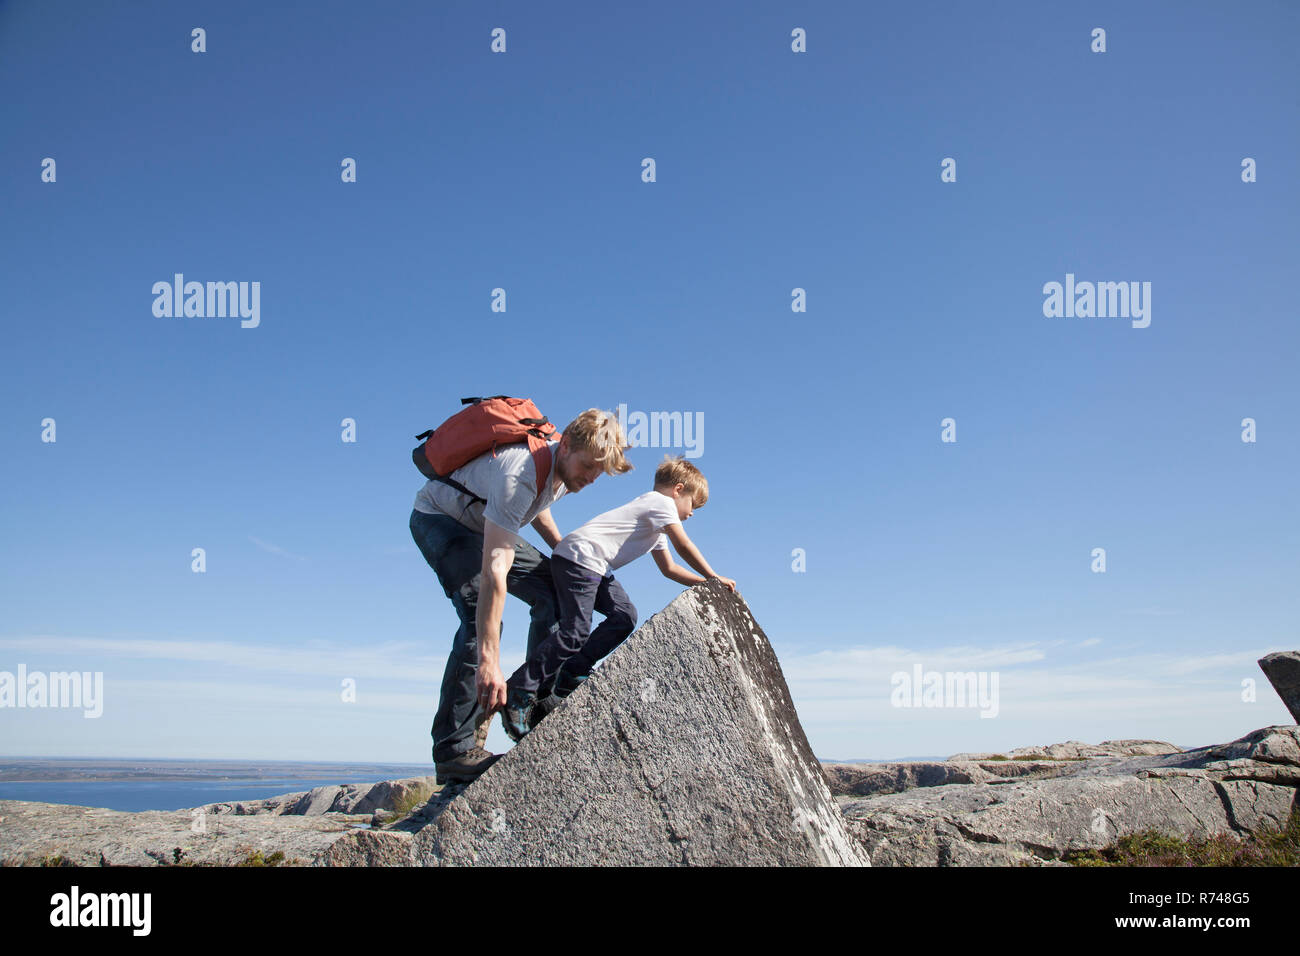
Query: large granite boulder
[1283, 672]
[682, 748]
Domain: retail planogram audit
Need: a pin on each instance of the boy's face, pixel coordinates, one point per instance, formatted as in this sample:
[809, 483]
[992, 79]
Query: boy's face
[685, 503]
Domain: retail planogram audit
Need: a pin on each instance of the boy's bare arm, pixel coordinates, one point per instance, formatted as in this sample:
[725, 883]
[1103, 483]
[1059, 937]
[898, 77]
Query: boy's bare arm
[672, 570]
[686, 548]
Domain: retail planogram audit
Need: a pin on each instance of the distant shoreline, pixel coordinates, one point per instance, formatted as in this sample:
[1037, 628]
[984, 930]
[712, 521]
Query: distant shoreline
[270, 778]
[164, 770]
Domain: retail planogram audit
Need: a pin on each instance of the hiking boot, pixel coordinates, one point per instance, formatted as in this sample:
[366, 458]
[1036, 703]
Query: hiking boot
[516, 713]
[566, 683]
[466, 766]
[545, 704]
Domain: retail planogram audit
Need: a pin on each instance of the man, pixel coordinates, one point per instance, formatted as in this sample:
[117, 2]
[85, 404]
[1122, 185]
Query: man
[478, 556]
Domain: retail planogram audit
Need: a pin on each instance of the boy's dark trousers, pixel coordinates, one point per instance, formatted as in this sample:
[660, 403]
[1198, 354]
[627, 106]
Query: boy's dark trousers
[455, 552]
[574, 645]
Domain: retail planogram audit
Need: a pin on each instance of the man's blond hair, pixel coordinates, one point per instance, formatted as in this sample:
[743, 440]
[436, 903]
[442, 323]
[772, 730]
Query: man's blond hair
[672, 471]
[600, 434]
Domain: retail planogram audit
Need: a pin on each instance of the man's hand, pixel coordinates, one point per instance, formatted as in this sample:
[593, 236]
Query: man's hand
[491, 686]
[498, 556]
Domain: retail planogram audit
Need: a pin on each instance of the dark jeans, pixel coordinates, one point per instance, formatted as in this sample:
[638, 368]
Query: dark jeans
[574, 645]
[456, 553]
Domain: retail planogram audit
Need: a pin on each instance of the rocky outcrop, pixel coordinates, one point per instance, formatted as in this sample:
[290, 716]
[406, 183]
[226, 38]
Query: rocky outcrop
[349, 798]
[1054, 760]
[1283, 672]
[1038, 816]
[326, 826]
[45, 833]
[1073, 750]
[867, 779]
[683, 748]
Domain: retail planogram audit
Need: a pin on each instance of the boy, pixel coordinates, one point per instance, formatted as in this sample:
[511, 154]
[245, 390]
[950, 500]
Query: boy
[582, 565]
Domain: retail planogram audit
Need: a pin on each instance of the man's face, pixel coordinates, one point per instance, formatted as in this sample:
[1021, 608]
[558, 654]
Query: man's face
[578, 469]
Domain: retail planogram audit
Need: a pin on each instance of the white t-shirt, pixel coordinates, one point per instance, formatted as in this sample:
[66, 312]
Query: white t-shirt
[509, 483]
[610, 540]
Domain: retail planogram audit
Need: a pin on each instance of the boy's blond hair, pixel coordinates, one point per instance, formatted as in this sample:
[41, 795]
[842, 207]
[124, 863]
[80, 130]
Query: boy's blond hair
[672, 471]
[599, 434]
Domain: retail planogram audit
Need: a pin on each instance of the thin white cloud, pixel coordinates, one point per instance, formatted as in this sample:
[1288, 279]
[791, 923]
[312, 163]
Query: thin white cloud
[249, 696]
[275, 549]
[1021, 663]
[404, 661]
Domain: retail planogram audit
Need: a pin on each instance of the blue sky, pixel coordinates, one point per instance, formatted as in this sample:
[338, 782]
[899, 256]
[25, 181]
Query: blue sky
[774, 171]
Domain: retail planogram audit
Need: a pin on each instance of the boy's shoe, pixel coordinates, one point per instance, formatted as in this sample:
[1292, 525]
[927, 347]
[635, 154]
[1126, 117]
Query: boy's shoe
[516, 713]
[566, 683]
[466, 766]
[544, 705]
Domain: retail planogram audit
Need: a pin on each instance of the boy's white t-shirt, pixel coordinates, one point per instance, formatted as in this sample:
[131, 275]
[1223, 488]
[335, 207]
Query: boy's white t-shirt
[610, 540]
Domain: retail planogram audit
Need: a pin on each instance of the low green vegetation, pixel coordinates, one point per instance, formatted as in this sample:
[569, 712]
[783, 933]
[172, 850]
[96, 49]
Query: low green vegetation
[412, 801]
[1266, 847]
[256, 859]
[1004, 757]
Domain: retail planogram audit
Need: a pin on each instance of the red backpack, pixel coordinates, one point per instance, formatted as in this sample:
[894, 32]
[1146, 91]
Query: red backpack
[481, 427]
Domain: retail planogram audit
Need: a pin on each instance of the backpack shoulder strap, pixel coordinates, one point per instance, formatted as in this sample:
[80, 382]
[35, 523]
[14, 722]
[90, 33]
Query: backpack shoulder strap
[461, 488]
[543, 461]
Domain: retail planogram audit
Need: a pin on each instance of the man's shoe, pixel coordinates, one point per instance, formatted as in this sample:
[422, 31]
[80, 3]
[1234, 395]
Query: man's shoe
[516, 713]
[465, 766]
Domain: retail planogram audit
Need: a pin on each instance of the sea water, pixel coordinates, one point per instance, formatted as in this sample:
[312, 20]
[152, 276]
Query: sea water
[137, 795]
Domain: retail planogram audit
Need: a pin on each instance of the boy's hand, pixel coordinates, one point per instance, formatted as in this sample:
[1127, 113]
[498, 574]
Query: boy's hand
[728, 582]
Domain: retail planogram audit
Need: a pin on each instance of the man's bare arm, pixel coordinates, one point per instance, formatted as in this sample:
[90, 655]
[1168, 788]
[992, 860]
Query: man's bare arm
[498, 557]
[545, 525]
